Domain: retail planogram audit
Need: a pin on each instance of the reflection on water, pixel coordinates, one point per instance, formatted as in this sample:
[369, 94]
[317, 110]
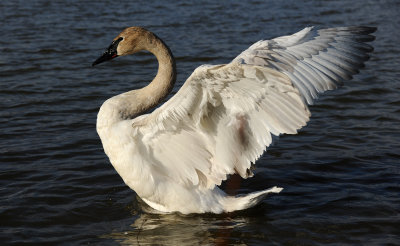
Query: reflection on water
[178, 229]
[175, 229]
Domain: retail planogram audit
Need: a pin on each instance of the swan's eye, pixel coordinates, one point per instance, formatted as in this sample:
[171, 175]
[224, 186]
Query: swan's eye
[112, 49]
[116, 42]
[119, 40]
[110, 53]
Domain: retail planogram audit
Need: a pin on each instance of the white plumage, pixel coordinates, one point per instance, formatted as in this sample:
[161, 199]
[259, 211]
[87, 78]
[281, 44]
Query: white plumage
[224, 116]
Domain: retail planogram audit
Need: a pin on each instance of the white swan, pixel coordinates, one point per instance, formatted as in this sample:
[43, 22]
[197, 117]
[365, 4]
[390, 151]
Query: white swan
[222, 119]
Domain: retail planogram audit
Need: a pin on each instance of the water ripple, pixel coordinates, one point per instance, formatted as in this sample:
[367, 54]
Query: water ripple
[340, 173]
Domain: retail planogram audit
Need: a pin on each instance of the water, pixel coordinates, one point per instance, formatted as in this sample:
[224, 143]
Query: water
[340, 174]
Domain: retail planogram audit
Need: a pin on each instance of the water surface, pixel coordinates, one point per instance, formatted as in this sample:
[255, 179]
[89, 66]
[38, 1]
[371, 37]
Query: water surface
[340, 173]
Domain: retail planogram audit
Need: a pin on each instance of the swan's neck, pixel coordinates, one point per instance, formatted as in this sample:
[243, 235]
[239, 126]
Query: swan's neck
[133, 103]
[164, 81]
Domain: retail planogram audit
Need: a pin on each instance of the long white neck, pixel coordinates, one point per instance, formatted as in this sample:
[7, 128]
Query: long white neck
[130, 104]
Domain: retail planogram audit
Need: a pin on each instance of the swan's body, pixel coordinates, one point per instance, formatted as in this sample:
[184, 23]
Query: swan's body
[223, 118]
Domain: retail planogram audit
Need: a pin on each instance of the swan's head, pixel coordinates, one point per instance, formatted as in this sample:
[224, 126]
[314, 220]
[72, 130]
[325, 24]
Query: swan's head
[129, 41]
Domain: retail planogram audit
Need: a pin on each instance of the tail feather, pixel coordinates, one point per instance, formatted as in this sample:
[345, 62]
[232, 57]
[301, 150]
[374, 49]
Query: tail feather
[241, 202]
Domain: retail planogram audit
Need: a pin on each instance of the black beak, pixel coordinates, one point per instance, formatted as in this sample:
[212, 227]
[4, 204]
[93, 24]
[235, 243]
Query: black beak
[110, 53]
[105, 57]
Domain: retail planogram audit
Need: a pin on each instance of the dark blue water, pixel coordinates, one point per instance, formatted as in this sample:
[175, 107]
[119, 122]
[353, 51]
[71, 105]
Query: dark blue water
[341, 173]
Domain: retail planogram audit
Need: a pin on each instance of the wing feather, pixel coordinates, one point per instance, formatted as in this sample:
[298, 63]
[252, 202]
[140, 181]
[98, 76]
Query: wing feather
[223, 118]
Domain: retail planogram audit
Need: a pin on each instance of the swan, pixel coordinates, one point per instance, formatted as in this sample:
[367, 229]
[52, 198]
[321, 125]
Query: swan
[223, 117]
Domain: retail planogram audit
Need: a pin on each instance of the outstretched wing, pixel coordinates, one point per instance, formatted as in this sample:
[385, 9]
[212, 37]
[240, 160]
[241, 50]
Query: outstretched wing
[314, 60]
[223, 118]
